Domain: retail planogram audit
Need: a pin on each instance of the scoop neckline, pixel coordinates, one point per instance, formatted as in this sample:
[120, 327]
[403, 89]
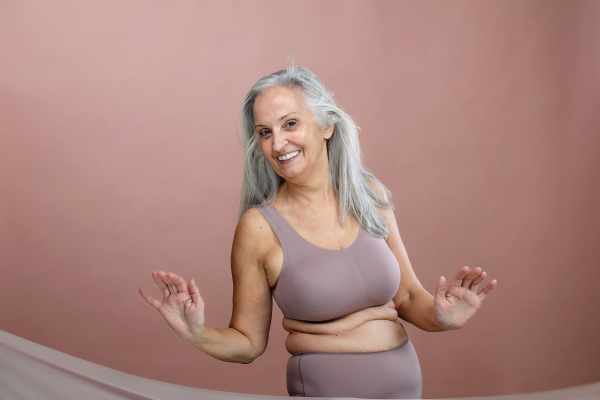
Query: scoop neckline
[360, 232]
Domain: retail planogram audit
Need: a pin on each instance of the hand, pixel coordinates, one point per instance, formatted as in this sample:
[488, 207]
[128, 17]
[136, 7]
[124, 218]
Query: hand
[181, 305]
[455, 305]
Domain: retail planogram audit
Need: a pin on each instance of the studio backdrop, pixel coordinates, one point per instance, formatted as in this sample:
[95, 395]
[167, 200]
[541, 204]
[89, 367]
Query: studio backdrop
[120, 155]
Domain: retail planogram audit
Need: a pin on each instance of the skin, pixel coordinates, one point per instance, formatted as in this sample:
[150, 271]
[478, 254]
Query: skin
[307, 201]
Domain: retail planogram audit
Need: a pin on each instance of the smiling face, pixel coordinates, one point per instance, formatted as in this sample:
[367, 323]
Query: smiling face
[289, 135]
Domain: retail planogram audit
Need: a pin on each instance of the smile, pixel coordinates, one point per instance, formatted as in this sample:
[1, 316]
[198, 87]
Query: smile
[288, 155]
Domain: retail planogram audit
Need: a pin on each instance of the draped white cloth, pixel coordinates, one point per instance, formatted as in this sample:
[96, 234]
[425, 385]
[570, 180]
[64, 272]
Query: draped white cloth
[29, 371]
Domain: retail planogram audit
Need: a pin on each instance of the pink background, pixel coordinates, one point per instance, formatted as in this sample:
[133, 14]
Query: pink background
[119, 155]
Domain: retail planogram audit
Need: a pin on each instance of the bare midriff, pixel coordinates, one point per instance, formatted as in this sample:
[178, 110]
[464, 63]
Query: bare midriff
[370, 330]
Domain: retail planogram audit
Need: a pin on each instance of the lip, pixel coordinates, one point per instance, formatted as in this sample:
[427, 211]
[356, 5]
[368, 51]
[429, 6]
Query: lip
[291, 159]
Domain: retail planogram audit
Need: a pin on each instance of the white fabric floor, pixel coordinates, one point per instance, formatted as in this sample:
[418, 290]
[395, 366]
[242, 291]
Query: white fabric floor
[29, 371]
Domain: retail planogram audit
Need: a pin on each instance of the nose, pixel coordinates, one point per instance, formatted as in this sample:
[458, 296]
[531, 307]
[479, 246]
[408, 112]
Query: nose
[279, 140]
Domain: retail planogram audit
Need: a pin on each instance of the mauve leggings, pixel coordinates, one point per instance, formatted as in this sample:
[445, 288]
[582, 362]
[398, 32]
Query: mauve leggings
[392, 374]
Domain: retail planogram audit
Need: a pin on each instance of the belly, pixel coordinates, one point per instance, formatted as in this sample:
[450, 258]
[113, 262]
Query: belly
[371, 330]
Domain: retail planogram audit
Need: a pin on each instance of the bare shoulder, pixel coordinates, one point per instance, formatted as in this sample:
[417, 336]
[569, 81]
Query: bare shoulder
[253, 236]
[252, 225]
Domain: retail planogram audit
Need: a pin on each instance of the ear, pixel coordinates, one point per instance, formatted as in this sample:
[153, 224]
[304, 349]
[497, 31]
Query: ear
[329, 131]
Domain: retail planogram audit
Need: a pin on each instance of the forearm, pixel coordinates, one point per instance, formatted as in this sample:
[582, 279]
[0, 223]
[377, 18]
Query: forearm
[418, 309]
[225, 344]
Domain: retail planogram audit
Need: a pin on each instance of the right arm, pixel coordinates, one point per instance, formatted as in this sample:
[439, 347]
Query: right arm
[183, 309]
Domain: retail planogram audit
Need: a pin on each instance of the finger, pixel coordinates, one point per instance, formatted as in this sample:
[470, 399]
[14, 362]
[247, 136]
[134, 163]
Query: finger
[169, 282]
[486, 290]
[178, 281]
[475, 282]
[151, 300]
[161, 285]
[195, 293]
[170, 287]
[457, 280]
[466, 282]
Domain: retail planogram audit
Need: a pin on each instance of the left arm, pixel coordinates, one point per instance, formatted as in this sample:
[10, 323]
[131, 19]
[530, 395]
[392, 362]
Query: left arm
[450, 307]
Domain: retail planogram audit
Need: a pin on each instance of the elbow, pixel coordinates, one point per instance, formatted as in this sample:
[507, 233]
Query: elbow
[251, 356]
[242, 359]
[247, 359]
[402, 305]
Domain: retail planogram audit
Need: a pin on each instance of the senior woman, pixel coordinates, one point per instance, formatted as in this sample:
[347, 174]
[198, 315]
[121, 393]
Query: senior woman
[317, 233]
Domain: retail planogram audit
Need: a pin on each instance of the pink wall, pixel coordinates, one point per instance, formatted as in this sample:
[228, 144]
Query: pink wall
[119, 156]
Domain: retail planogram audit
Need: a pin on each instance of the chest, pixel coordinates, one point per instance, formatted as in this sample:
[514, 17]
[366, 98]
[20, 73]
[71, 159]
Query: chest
[314, 283]
[311, 234]
[324, 230]
[317, 284]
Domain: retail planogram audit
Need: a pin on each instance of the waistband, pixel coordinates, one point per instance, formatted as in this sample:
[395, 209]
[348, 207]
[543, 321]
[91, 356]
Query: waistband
[330, 353]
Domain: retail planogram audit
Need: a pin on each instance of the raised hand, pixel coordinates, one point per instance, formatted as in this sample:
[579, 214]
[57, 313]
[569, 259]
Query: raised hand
[181, 305]
[456, 304]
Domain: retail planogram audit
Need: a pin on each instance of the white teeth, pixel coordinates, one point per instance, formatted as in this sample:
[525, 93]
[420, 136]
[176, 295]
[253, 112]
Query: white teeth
[288, 156]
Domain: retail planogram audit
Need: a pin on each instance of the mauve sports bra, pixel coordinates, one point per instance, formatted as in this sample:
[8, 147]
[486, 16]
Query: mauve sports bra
[318, 284]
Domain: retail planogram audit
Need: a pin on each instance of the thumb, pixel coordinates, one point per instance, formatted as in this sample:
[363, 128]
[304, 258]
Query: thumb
[195, 292]
[440, 289]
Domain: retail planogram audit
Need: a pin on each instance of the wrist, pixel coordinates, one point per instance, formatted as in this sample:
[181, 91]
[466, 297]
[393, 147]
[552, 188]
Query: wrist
[197, 336]
[442, 323]
[447, 327]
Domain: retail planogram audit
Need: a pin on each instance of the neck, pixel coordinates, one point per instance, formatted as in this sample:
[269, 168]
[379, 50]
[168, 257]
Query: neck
[316, 191]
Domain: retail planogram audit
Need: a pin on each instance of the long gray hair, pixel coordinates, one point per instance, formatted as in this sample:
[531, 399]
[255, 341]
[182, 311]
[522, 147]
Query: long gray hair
[353, 184]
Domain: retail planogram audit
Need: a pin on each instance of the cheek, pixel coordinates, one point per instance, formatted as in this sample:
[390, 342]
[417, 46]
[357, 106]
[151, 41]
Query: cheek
[264, 147]
[301, 138]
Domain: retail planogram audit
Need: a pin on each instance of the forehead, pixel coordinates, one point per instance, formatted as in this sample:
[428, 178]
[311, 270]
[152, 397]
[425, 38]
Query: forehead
[276, 102]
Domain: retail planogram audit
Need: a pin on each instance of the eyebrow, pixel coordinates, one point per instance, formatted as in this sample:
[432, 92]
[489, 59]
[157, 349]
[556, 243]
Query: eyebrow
[284, 117]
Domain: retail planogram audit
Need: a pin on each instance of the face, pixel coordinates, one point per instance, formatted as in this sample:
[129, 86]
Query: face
[289, 135]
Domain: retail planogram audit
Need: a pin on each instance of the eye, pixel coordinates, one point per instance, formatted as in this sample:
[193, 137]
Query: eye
[263, 132]
[290, 124]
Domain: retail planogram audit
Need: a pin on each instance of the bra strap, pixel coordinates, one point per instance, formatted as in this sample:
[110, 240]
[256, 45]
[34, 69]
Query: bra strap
[279, 225]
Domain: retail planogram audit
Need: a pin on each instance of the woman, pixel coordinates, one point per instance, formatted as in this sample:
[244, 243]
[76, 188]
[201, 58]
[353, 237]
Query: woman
[317, 233]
